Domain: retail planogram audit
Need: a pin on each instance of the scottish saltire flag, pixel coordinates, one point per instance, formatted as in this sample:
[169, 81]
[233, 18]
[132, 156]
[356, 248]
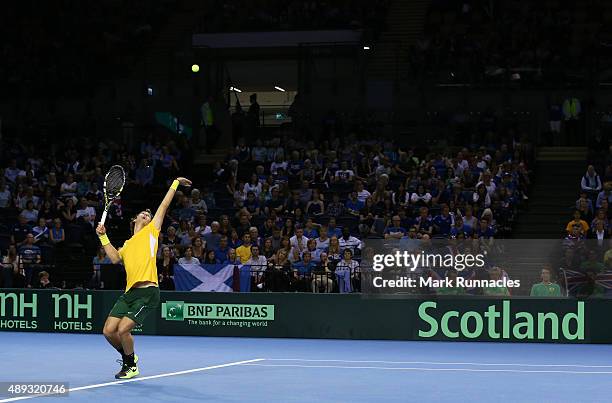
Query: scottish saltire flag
[212, 277]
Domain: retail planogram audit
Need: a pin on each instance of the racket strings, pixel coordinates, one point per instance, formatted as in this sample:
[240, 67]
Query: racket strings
[114, 181]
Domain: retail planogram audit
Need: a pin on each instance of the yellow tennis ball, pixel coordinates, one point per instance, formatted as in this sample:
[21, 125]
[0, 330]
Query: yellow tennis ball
[195, 68]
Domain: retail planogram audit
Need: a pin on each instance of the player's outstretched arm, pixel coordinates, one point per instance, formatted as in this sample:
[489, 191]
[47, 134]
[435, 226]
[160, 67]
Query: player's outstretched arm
[158, 218]
[110, 250]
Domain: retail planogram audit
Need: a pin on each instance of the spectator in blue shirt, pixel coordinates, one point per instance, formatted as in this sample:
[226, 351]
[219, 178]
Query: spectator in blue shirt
[508, 181]
[605, 194]
[185, 212]
[395, 230]
[353, 204]
[332, 229]
[301, 273]
[234, 240]
[485, 231]
[305, 265]
[221, 253]
[251, 204]
[443, 222]
[310, 231]
[459, 228]
[315, 253]
[213, 237]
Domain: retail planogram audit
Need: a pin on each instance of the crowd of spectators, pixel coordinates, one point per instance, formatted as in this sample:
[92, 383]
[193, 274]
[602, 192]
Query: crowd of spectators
[587, 250]
[297, 211]
[64, 47]
[294, 210]
[480, 40]
[51, 196]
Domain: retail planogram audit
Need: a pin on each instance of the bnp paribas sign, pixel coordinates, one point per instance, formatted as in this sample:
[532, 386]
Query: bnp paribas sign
[242, 315]
[500, 324]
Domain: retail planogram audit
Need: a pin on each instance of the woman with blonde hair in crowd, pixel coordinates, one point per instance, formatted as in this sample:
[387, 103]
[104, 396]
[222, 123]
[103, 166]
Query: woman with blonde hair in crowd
[277, 275]
[333, 251]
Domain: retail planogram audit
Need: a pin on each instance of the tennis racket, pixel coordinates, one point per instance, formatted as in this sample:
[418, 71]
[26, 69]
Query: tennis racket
[113, 185]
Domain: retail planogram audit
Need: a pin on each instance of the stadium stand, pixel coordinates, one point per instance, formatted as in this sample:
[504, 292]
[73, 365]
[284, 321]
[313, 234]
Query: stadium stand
[266, 190]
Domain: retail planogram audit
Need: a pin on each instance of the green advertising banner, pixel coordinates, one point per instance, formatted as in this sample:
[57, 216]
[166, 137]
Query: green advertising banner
[348, 316]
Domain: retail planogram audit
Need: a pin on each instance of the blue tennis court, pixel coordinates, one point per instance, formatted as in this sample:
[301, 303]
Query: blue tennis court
[182, 369]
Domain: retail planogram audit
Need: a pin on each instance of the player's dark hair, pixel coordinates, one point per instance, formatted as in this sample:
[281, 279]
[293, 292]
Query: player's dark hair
[133, 220]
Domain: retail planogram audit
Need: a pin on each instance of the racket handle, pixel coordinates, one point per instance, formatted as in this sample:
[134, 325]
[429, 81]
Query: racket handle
[103, 219]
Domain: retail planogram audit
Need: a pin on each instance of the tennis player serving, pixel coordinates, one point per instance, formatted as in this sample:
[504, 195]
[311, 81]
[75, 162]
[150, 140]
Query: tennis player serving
[141, 296]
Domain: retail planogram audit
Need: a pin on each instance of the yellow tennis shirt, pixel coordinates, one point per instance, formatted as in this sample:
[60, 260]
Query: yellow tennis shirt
[139, 256]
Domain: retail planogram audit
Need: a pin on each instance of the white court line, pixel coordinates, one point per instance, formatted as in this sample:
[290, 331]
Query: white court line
[144, 378]
[484, 364]
[429, 369]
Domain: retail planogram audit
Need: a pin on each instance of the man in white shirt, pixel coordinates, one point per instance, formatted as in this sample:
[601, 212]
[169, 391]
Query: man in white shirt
[257, 262]
[12, 172]
[488, 183]
[362, 193]
[323, 239]
[87, 212]
[202, 228]
[188, 258]
[299, 241]
[197, 203]
[461, 164]
[344, 175]
[278, 163]
[591, 183]
[68, 187]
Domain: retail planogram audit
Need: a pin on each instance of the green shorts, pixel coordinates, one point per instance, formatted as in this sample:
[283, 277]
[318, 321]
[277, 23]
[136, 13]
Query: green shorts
[136, 304]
